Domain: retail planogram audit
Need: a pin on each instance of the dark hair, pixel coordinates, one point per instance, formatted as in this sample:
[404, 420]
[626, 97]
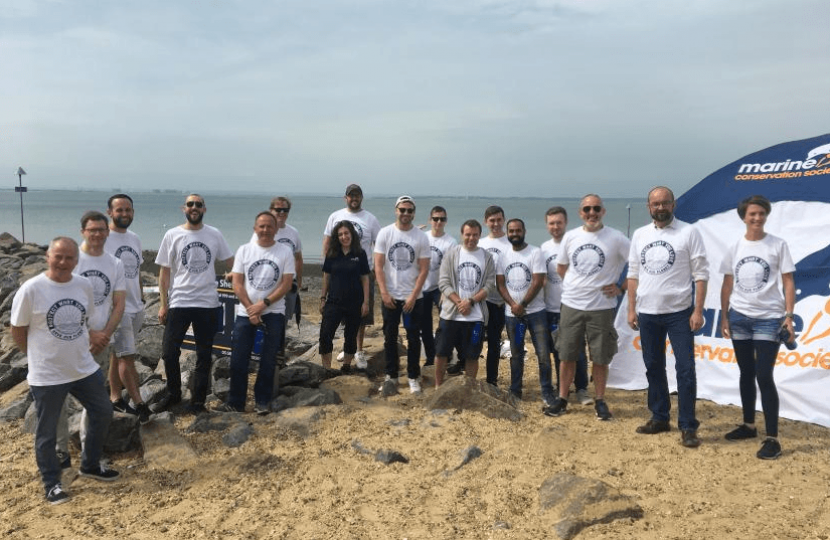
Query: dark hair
[471, 223]
[334, 244]
[93, 215]
[553, 210]
[265, 213]
[119, 196]
[281, 199]
[760, 200]
[437, 209]
[493, 210]
[515, 219]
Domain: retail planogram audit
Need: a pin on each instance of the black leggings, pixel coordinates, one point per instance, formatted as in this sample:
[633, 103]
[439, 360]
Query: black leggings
[756, 360]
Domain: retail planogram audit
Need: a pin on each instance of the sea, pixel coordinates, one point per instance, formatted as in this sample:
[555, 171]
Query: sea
[51, 213]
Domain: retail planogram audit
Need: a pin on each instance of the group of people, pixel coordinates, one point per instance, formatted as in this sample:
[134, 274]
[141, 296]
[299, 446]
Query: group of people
[80, 318]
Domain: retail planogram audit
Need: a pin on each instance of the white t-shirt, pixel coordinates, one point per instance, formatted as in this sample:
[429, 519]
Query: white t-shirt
[190, 255]
[470, 271]
[365, 223]
[126, 247]
[263, 269]
[496, 246]
[757, 266]
[553, 283]
[58, 338]
[594, 259]
[403, 251]
[666, 262]
[438, 245]
[518, 268]
[288, 235]
[106, 273]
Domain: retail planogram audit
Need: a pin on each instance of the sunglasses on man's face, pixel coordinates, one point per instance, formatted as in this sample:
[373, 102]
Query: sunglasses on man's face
[586, 209]
[438, 218]
[279, 210]
[197, 204]
[406, 210]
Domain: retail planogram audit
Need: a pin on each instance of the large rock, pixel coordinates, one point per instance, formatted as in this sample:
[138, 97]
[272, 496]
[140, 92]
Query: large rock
[576, 503]
[149, 343]
[464, 393]
[292, 396]
[16, 374]
[123, 433]
[237, 435]
[305, 374]
[15, 402]
[9, 243]
[299, 420]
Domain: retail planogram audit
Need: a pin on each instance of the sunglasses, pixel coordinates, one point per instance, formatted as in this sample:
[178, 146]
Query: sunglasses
[438, 218]
[197, 204]
[406, 210]
[586, 209]
[279, 210]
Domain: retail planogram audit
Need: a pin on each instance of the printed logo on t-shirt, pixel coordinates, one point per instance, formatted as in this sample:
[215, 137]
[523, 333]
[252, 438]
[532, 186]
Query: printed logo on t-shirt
[129, 258]
[657, 257]
[401, 256]
[196, 257]
[101, 285]
[436, 257]
[494, 250]
[358, 228]
[751, 274]
[469, 277]
[65, 319]
[550, 264]
[588, 259]
[263, 274]
[290, 243]
[517, 276]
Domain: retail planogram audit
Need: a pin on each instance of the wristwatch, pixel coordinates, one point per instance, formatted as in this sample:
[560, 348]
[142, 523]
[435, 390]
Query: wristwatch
[266, 301]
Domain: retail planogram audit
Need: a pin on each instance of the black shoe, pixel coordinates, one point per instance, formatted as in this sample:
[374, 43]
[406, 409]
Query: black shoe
[143, 413]
[65, 459]
[123, 407]
[196, 408]
[261, 410]
[56, 495]
[429, 363]
[770, 449]
[559, 408]
[653, 427]
[346, 369]
[225, 407]
[102, 474]
[603, 413]
[167, 401]
[741, 432]
[455, 369]
[688, 438]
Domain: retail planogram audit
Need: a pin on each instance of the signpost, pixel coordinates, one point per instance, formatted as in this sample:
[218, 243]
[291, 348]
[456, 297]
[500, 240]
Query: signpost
[20, 189]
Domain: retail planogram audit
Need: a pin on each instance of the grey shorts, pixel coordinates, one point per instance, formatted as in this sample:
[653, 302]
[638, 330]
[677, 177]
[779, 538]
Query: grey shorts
[596, 328]
[124, 338]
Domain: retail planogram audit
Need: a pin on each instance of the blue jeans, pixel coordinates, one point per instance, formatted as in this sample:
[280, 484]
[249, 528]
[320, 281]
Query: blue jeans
[581, 375]
[204, 329]
[244, 334]
[495, 324]
[391, 322]
[49, 400]
[653, 332]
[537, 325]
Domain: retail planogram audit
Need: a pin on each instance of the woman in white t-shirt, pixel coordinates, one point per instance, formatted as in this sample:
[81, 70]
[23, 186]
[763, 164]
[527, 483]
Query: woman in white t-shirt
[755, 271]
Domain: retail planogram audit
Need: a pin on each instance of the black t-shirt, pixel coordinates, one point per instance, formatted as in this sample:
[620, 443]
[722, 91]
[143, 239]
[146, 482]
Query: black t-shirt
[344, 277]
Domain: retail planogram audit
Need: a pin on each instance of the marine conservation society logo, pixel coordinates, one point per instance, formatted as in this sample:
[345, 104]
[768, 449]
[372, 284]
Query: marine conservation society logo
[469, 276]
[196, 257]
[751, 274]
[401, 256]
[101, 285]
[517, 276]
[263, 274]
[657, 257]
[817, 162]
[65, 319]
[588, 259]
[129, 258]
[553, 275]
[437, 257]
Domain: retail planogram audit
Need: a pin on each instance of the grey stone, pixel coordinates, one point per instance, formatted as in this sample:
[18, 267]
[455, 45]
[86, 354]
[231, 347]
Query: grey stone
[358, 446]
[299, 420]
[152, 391]
[145, 373]
[389, 388]
[16, 409]
[30, 419]
[149, 341]
[400, 423]
[213, 421]
[387, 457]
[237, 435]
[165, 416]
[221, 368]
[464, 393]
[18, 369]
[577, 503]
[467, 455]
[501, 526]
[306, 374]
[123, 433]
[292, 396]
[221, 388]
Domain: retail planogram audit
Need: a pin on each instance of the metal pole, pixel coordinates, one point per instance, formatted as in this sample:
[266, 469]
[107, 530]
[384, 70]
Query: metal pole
[628, 231]
[22, 226]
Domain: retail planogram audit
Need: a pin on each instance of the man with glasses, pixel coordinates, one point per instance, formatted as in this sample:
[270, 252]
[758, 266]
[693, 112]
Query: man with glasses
[367, 227]
[666, 257]
[188, 296]
[439, 243]
[590, 261]
[402, 258]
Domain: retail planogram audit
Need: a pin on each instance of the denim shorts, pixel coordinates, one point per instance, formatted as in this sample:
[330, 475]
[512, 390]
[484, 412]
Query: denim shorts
[125, 335]
[742, 327]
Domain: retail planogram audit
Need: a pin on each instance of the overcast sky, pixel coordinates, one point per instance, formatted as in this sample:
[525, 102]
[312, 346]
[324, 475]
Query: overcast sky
[489, 97]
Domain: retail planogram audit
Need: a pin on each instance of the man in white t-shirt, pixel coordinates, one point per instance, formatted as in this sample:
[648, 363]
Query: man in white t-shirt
[106, 274]
[556, 220]
[262, 275]
[188, 296]
[49, 324]
[667, 262]
[125, 245]
[439, 243]
[367, 227]
[520, 277]
[591, 259]
[495, 243]
[401, 266]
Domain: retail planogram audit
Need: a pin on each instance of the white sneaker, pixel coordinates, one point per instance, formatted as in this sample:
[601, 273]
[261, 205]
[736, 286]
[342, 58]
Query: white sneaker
[388, 378]
[360, 360]
[340, 356]
[415, 386]
[583, 398]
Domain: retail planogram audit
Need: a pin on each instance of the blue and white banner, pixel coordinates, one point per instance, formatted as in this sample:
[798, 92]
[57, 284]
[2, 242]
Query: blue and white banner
[795, 177]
